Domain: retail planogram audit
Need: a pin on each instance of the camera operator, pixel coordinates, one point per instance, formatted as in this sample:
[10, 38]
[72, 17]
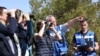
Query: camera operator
[43, 41]
[7, 43]
[85, 41]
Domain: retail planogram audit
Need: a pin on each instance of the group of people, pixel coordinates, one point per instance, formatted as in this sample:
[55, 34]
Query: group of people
[49, 40]
[15, 32]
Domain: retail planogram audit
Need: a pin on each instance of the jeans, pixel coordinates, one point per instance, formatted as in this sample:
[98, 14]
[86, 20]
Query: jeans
[30, 50]
[23, 45]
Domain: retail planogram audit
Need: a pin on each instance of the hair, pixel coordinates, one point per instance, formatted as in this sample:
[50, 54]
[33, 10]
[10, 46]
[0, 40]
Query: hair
[38, 25]
[48, 17]
[18, 13]
[1, 9]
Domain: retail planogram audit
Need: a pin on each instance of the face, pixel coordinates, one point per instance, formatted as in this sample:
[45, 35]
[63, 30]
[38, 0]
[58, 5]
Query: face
[84, 25]
[4, 15]
[52, 20]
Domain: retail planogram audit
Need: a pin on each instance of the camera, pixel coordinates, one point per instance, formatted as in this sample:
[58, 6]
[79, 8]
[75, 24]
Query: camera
[18, 13]
[48, 24]
[31, 15]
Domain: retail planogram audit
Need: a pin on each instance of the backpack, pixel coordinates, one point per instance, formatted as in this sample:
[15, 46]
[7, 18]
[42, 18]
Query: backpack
[61, 47]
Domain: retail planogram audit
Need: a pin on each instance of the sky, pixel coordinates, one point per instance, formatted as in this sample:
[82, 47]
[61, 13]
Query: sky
[94, 0]
[16, 4]
[19, 4]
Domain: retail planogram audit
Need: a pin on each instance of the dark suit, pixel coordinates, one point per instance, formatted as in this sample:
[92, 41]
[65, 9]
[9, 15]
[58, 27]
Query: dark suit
[5, 49]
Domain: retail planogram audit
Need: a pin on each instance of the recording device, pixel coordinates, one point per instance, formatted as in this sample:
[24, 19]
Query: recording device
[18, 14]
[48, 24]
[31, 16]
[85, 47]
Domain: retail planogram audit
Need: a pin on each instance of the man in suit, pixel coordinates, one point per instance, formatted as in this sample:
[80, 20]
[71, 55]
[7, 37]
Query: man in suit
[7, 43]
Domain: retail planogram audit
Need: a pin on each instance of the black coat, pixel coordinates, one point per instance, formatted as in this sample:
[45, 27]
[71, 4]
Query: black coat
[5, 49]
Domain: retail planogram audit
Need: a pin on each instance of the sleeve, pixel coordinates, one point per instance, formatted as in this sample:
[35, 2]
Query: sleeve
[21, 32]
[95, 38]
[64, 28]
[35, 38]
[20, 26]
[29, 28]
[74, 40]
[12, 25]
[9, 29]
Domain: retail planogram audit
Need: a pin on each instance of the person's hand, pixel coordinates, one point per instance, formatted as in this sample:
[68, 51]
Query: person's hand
[52, 28]
[43, 22]
[26, 15]
[90, 49]
[12, 12]
[75, 48]
[80, 18]
[20, 19]
[25, 27]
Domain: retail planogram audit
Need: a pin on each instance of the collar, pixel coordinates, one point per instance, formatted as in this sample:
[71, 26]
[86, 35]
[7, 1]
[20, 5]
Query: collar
[83, 33]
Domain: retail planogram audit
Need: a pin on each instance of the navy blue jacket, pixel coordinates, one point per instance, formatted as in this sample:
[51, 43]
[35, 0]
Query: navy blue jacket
[22, 33]
[5, 49]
